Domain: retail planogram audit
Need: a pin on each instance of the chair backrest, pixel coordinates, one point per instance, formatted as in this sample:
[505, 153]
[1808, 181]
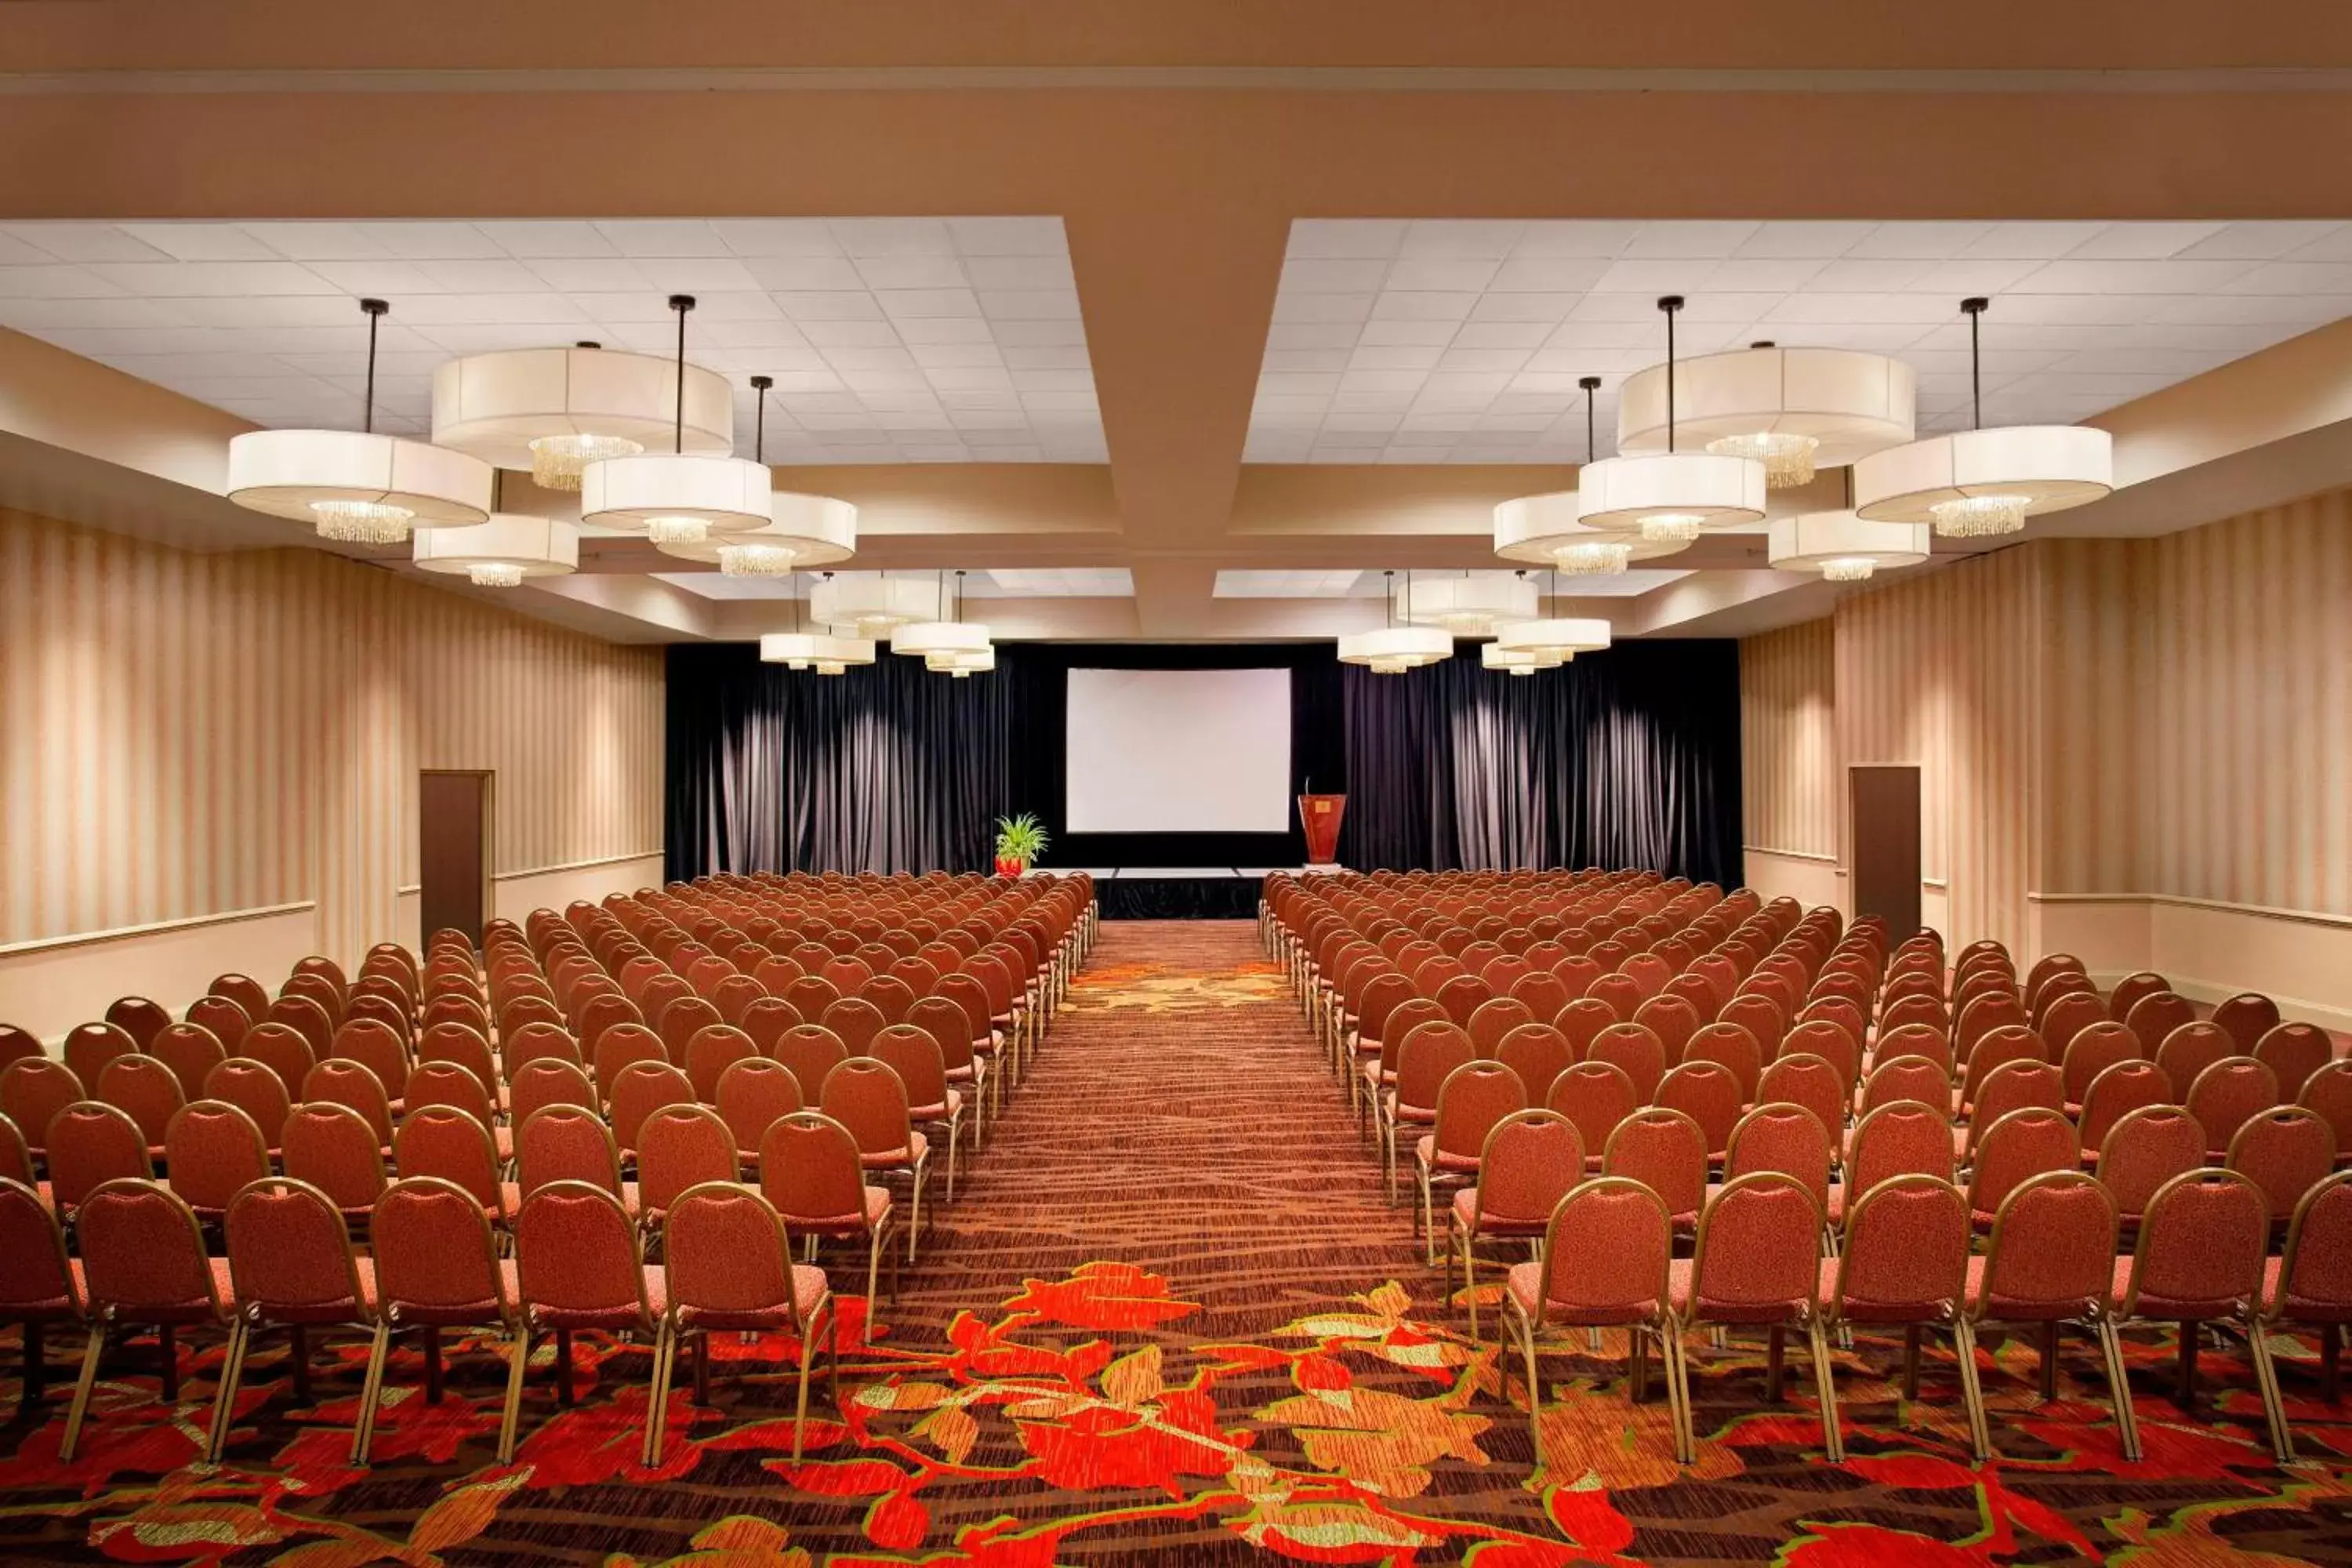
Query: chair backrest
[1732, 1046]
[1493, 1019]
[2226, 1096]
[90, 1046]
[2146, 1148]
[2315, 1269]
[447, 1083]
[90, 1143]
[566, 1143]
[1983, 1013]
[854, 1022]
[728, 1250]
[889, 995]
[547, 1082]
[752, 1095]
[1709, 1095]
[765, 1019]
[1901, 1137]
[1664, 1151]
[2154, 1018]
[306, 1018]
[1426, 1058]
[2013, 1086]
[1595, 1097]
[1621, 992]
[1785, 1137]
[2246, 1018]
[1538, 1052]
[577, 1256]
[282, 1049]
[341, 1081]
[811, 1051]
[2202, 1245]
[2052, 1251]
[1607, 1252]
[2287, 1149]
[642, 1088]
[1530, 1160]
[289, 1255]
[1543, 993]
[375, 1045]
[35, 1278]
[2023, 1143]
[1760, 1014]
[226, 1020]
[2328, 1090]
[2116, 1091]
[2062, 1014]
[867, 1097]
[810, 1171]
[1462, 995]
[436, 1262]
[245, 991]
[449, 1143]
[680, 1020]
[1905, 1256]
[1672, 1020]
[142, 1253]
[920, 1063]
[621, 1048]
[137, 1018]
[1634, 1049]
[1808, 1081]
[2049, 966]
[333, 1148]
[711, 1051]
[2130, 989]
[1930, 1040]
[1905, 1078]
[318, 988]
[213, 1149]
[1473, 1098]
[1995, 1049]
[146, 1089]
[538, 1040]
[682, 1146]
[1759, 1251]
[2294, 1052]
[2095, 1048]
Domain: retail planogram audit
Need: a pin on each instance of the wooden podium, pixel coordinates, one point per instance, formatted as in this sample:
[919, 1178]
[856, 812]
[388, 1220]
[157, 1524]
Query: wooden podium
[1319, 817]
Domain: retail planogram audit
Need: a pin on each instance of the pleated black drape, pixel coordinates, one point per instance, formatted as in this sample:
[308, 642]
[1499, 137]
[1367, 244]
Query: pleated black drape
[888, 767]
[1627, 758]
[1624, 758]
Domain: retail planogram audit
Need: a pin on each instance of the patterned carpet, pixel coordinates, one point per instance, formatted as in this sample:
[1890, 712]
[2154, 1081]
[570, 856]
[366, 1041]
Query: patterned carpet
[1172, 1320]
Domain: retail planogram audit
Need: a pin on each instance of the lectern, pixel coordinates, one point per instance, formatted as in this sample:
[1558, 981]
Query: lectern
[1318, 817]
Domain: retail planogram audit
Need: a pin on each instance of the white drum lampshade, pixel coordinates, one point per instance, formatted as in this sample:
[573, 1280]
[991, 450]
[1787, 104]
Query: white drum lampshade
[1392, 651]
[1559, 639]
[355, 487]
[1792, 409]
[1671, 498]
[1469, 606]
[1515, 661]
[873, 606]
[1544, 531]
[803, 532]
[502, 552]
[556, 410]
[676, 499]
[1973, 483]
[1845, 548]
[820, 651]
[927, 637]
[960, 665]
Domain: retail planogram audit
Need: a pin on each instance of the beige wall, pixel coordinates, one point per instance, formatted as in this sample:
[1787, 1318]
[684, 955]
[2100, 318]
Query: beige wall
[192, 737]
[2136, 750]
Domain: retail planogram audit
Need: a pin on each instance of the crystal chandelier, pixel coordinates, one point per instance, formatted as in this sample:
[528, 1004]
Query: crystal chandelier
[1794, 410]
[556, 411]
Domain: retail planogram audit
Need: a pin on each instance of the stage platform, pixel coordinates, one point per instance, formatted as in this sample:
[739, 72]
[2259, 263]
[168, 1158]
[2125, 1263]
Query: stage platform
[1178, 892]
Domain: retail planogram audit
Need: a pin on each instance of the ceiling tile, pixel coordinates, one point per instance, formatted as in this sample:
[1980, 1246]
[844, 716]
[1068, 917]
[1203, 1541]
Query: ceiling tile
[975, 237]
[85, 242]
[1347, 238]
[433, 241]
[201, 241]
[939, 271]
[664, 238]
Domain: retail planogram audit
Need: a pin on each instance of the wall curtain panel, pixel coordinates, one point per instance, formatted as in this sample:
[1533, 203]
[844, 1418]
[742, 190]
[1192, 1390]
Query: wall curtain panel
[1625, 758]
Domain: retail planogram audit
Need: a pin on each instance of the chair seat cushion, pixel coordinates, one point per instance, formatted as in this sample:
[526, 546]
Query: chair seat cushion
[617, 1316]
[877, 1207]
[1680, 1284]
[1864, 1310]
[2170, 1309]
[2009, 1309]
[809, 1293]
[892, 1159]
[1425, 1151]
[1465, 1209]
[468, 1314]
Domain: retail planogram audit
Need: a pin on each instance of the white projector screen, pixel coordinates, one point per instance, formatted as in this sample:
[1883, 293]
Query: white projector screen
[1178, 751]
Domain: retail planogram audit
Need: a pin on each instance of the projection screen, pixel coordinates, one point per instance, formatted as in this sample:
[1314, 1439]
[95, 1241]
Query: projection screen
[1178, 751]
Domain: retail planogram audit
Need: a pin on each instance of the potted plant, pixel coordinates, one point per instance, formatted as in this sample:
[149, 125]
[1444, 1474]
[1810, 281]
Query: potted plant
[1019, 841]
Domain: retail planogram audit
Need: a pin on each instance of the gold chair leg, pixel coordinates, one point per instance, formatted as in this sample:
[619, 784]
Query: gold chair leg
[83, 1386]
[1825, 1381]
[371, 1392]
[2119, 1385]
[1964, 1343]
[658, 1394]
[800, 1413]
[873, 1283]
[518, 1363]
[1469, 1273]
[2273, 1403]
[240, 1341]
[1678, 1376]
[1526, 1328]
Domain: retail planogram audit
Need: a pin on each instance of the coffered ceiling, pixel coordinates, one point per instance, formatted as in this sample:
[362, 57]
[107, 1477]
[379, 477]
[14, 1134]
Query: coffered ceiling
[1162, 321]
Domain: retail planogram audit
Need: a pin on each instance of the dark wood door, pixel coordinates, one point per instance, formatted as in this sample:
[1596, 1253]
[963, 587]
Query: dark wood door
[453, 841]
[1885, 869]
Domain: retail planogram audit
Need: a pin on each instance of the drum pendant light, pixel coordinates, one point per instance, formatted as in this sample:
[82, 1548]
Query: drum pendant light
[944, 635]
[1469, 606]
[676, 496]
[1845, 548]
[1674, 496]
[1395, 648]
[502, 552]
[1792, 409]
[871, 606]
[1545, 529]
[1976, 483]
[357, 487]
[801, 530]
[801, 649]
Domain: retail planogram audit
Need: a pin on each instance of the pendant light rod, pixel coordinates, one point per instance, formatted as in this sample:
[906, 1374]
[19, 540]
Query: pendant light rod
[681, 304]
[1974, 308]
[1388, 594]
[1591, 383]
[375, 309]
[1670, 303]
[759, 385]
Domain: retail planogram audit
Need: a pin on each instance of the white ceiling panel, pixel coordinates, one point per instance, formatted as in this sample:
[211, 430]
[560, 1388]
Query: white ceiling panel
[1463, 341]
[260, 318]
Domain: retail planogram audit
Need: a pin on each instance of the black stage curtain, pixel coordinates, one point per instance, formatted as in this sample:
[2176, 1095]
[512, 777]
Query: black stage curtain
[1628, 758]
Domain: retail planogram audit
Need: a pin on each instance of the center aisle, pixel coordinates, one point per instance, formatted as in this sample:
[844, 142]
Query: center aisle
[1180, 1119]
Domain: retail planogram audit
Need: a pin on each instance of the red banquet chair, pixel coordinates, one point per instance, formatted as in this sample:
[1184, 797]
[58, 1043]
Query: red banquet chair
[2052, 1263]
[578, 1266]
[1904, 1263]
[1530, 1160]
[38, 1286]
[436, 1267]
[291, 1262]
[1756, 1263]
[2309, 1285]
[143, 1266]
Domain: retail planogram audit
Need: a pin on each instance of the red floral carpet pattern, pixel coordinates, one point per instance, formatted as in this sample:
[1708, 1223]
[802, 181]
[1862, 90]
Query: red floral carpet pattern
[1173, 1320]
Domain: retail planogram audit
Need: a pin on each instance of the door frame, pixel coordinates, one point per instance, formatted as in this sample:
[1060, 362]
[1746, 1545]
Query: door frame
[489, 799]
